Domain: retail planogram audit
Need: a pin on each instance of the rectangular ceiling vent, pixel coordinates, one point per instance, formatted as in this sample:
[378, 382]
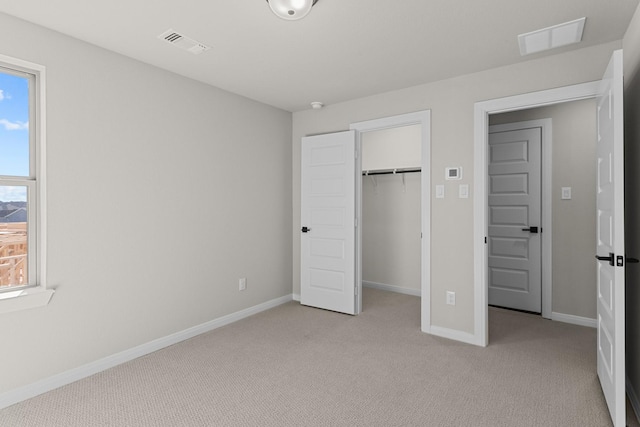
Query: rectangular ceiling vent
[183, 42]
[551, 37]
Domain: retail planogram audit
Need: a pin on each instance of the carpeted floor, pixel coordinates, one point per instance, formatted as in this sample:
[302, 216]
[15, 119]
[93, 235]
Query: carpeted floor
[299, 366]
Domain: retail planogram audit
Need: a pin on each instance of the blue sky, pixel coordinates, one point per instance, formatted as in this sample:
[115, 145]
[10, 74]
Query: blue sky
[14, 133]
[14, 125]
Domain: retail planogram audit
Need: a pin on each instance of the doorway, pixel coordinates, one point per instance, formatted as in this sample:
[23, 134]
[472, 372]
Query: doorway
[483, 111]
[423, 120]
[391, 217]
[568, 206]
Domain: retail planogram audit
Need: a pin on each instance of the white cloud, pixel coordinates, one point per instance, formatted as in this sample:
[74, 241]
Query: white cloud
[4, 95]
[13, 194]
[8, 125]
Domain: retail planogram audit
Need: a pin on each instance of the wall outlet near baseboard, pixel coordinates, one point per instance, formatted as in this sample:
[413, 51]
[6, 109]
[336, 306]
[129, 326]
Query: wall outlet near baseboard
[451, 298]
[242, 284]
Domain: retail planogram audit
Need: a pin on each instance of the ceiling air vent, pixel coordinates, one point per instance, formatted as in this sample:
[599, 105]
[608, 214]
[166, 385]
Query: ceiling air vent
[183, 42]
[551, 37]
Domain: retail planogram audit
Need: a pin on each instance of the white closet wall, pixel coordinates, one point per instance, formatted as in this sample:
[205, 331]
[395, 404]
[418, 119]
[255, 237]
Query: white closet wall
[393, 148]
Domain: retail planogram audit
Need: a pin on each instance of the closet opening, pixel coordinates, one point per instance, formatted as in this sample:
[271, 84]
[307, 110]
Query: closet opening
[393, 207]
[391, 199]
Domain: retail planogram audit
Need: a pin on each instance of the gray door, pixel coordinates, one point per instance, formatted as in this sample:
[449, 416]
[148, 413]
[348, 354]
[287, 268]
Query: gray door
[515, 269]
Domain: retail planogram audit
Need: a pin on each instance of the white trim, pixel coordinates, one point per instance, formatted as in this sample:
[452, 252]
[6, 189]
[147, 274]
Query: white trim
[454, 334]
[25, 299]
[422, 118]
[38, 295]
[26, 392]
[574, 320]
[392, 288]
[295, 297]
[41, 165]
[633, 398]
[546, 235]
[481, 124]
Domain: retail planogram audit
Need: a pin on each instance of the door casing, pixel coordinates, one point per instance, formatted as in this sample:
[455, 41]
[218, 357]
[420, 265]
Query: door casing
[482, 110]
[422, 118]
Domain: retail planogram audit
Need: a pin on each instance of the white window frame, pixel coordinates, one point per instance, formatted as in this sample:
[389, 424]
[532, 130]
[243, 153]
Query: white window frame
[36, 293]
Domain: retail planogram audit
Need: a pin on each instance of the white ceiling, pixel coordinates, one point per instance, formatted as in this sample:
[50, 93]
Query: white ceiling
[344, 49]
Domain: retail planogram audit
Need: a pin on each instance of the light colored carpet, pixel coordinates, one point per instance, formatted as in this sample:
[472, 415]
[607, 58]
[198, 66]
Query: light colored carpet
[297, 366]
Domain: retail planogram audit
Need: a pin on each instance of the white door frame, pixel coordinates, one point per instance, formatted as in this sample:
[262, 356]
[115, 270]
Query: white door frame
[546, 225]
[480, 224]
[422, 118]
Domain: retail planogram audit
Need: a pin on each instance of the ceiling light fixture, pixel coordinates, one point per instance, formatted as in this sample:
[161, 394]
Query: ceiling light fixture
[291, 10]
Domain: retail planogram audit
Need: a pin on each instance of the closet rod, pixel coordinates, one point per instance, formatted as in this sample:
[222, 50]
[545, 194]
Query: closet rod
[390, 172]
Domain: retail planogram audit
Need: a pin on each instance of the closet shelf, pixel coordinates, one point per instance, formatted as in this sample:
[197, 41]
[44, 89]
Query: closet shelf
[390, 171]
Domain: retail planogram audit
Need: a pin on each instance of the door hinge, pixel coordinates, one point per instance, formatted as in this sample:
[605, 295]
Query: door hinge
[485, 240]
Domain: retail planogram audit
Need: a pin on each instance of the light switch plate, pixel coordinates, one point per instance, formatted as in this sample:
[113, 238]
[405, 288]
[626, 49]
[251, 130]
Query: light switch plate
[463, 191]
[439, 191]
[566, 193]
[451, 298]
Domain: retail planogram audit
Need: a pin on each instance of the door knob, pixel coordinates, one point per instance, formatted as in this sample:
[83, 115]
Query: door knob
[610, 258]
[305, 229]
[531, 229]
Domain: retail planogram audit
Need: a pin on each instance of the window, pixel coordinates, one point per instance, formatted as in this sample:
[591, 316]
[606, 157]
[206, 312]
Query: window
[22, 192]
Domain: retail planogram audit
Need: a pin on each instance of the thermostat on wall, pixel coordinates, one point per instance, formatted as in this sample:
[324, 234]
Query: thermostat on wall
[453, 173]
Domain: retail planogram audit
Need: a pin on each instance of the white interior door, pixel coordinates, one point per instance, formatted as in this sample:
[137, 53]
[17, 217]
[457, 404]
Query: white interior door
[610, 246]
[327, 265]
[515, 266]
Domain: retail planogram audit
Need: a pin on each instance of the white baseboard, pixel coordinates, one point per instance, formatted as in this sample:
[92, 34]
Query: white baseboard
[575, 320]
[392, 288]
[26, 392]
[633, 398]
[296, 297]
[453, 334]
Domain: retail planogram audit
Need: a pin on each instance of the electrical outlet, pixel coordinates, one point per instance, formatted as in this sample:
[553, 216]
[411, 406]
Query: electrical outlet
[451, 298]
[242, 284]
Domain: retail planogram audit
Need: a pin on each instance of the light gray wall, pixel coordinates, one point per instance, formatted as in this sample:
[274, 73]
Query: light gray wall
[130, 149]
[393, 148]
[631, 46]
[574, 221]
[452, 103]
[391, 230]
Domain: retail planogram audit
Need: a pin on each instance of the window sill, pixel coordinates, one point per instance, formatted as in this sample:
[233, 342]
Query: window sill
[24, 299]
